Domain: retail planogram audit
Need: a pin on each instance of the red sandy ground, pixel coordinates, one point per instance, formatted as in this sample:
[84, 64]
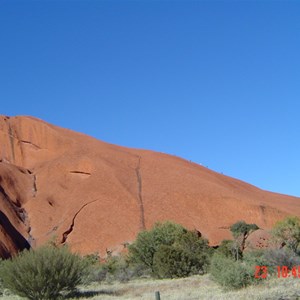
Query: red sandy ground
[96, 196]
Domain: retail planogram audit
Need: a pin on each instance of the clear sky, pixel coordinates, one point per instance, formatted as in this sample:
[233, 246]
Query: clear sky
[215, 82]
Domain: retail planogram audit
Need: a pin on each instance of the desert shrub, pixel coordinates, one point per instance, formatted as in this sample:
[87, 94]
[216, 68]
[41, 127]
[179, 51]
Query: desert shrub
[124, 270]
[169, 250]
[255, 258]
[172, 262]
[91, 259]
[280, 257]
[231, 274]
[228, 249]
[94, 270]
[45, 273]
[1, 288]
[147, 243]
[272, 258]
[115, 268]
[287, 232]
[187, 256]
[96, 273]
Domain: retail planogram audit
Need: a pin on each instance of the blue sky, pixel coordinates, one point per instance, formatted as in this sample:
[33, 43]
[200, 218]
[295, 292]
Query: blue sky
[215, 82]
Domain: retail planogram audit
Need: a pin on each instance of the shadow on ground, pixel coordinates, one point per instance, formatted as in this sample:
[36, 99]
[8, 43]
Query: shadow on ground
[90, 294]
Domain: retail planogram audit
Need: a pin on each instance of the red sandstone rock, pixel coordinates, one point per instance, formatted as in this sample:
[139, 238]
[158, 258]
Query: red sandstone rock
[259, 240]
[96, 196]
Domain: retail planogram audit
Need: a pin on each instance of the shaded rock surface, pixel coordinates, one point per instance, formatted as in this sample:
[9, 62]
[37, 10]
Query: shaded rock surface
[95, 196]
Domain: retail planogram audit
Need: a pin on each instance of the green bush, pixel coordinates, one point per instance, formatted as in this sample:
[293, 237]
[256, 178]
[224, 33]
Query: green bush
[272, 258]
[1, 288]
[280, 257]
[229, 249]
[91, 259]
[45, 273]
[231, 274]
[116, 268]
[147, 243]
[188, 255]
[169, 250]
[287, 232]
[255, 258]
[121, 269]
[172, 262]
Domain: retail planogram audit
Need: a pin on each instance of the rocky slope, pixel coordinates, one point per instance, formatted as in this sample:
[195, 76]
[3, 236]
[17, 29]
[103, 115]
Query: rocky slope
[56, 183]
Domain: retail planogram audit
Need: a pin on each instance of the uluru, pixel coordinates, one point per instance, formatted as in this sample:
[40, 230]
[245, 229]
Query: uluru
[94, 196]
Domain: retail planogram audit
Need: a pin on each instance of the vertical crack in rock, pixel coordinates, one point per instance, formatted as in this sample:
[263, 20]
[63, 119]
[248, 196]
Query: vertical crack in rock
[13, 135]
[31, 239]
[140, 196]
[34, 188]
[263, 213]
[67, 232]
[11, 139]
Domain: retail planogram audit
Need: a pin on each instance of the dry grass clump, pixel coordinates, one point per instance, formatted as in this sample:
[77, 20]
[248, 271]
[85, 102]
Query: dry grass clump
[192, 288]
[195, 288]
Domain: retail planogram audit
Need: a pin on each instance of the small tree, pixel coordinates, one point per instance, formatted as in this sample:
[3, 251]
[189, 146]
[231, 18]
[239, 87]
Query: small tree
[45, 273]
[287, 232]
[240, 231]
[229, 250]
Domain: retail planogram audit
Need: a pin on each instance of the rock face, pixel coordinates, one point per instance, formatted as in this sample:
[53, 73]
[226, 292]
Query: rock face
[56, 183]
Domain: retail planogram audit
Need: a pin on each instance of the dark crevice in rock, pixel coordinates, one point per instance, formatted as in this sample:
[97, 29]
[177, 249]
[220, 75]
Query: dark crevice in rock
[263, 213]
[8, 200]
[80, 172]
[11, 139]
[21, 214]
[16, 237]
[50, 200]
[140, 195]
[15, 207]
[30, 143]
[224, 227]
[34, 187]
[67, 232]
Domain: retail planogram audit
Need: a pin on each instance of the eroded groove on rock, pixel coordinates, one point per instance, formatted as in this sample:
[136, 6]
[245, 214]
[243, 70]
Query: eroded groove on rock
[13, 135]
[30, 143]
[22, 215]
[140, 195]
[15, 207]
[80, 172]
[14, 235]
[34, 187]
[67, 232]
[11, 140]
